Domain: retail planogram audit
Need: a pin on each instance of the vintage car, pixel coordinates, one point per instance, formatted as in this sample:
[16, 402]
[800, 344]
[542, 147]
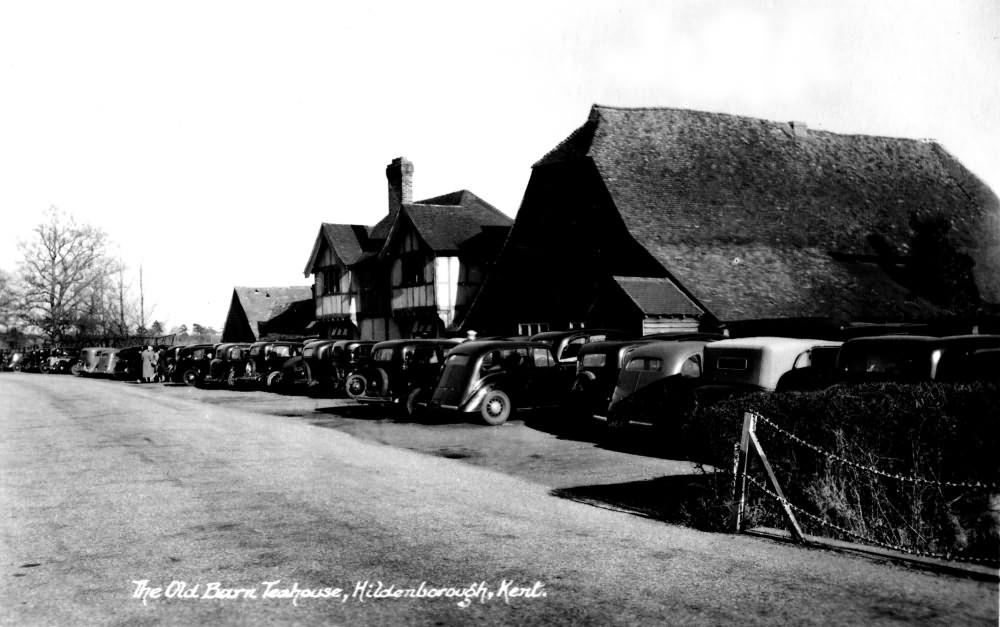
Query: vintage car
[400, 372]
[192, 363]
[566, 344]
[297, 372]
[911, 359]
[769, 364]
[656, 384]
[227, 364]
[597, 368]
[264, 361]
[31, 360]
[106, 363]
[169, 357]
[324, 365]
[61, 360]
[128, 363]
[498, 379]
[599, 364]
[87, 362]
[14, 360]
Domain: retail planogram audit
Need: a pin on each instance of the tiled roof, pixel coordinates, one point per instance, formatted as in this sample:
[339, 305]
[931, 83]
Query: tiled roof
[657, 296]
[444, 226]
[348, 241]
[260, 304]
[684, 178]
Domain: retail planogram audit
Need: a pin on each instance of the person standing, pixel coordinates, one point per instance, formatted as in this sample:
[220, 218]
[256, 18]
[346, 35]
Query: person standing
[161, 365]
[148, 364]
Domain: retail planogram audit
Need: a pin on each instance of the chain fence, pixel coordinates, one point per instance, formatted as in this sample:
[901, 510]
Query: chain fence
[866, 539]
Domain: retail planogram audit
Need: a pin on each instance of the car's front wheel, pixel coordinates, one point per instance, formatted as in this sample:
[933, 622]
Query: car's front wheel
[496, 408]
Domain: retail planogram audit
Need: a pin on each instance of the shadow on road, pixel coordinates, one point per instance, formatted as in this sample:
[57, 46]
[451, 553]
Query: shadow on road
[681, 499]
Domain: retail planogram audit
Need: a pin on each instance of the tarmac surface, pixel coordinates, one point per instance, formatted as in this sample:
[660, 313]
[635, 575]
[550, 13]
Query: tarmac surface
[130, 504]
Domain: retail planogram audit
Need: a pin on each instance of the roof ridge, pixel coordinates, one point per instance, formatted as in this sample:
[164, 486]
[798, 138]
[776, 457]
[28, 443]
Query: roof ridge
[597, 107]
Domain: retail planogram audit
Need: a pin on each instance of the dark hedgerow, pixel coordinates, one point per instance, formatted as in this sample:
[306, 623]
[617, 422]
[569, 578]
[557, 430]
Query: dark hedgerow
[947, 433]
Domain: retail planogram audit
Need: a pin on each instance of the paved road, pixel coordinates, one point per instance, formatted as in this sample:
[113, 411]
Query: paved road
[104, 484]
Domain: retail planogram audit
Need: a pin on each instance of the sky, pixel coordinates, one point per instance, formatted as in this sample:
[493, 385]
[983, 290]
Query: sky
[210, 139]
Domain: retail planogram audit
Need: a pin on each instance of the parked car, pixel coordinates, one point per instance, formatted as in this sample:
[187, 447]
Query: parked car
[599, 364]
[297, 372]
[192, 363]
[597, 367]
[400, 372]
[566, 345]
[169, 358]
[106, 363]
[86, 364]
[264, 362]
[32, 360]
[656, 384]
[128, 363]
[497, 379]
[911, 359]
[62, 360]
[227, 365]
[769, 364]
[14, 360]
[324, 365]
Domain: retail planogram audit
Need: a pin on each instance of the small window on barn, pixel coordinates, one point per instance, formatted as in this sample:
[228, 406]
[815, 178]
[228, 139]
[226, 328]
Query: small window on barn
[531, 328]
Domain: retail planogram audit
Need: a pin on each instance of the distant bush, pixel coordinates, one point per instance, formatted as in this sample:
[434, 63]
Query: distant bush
[945, 433]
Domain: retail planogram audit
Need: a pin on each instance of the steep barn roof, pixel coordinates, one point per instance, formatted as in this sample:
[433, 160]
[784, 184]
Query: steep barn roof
[694, 185]
[254, 305]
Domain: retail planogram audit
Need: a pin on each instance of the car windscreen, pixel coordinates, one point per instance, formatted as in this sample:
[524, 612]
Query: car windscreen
[594, 360]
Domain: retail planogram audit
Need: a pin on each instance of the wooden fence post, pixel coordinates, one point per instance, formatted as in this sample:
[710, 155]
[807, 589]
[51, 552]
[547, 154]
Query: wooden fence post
[740, 483]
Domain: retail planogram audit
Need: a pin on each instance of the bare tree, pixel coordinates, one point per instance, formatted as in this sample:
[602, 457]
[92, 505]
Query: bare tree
[63, 264]
[8, 301]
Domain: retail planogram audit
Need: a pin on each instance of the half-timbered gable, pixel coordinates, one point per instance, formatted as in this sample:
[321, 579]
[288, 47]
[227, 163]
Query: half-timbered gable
[336, 290]
[415, 272]
[746, 218]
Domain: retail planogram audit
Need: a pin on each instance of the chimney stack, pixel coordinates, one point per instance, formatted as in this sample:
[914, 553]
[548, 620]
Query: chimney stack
[400, 175]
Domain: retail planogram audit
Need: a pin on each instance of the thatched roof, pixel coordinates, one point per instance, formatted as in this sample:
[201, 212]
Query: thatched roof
[745, 212]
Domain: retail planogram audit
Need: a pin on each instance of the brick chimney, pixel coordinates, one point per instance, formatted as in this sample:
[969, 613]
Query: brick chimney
[400, 175]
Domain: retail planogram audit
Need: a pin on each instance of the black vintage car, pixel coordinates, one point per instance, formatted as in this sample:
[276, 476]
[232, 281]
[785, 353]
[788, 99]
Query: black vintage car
[911, 358]
[128, 365]
[498, 378]
[228, 364]
[401, 372]
[264, 362]
[60, 361]
[297, 373]
[192, 363]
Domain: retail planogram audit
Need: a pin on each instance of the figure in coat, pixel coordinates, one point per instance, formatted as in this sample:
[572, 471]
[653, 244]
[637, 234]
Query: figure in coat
[148, 364]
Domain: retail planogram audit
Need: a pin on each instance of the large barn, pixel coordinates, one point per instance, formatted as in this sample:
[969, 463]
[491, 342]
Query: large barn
[658, 219]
